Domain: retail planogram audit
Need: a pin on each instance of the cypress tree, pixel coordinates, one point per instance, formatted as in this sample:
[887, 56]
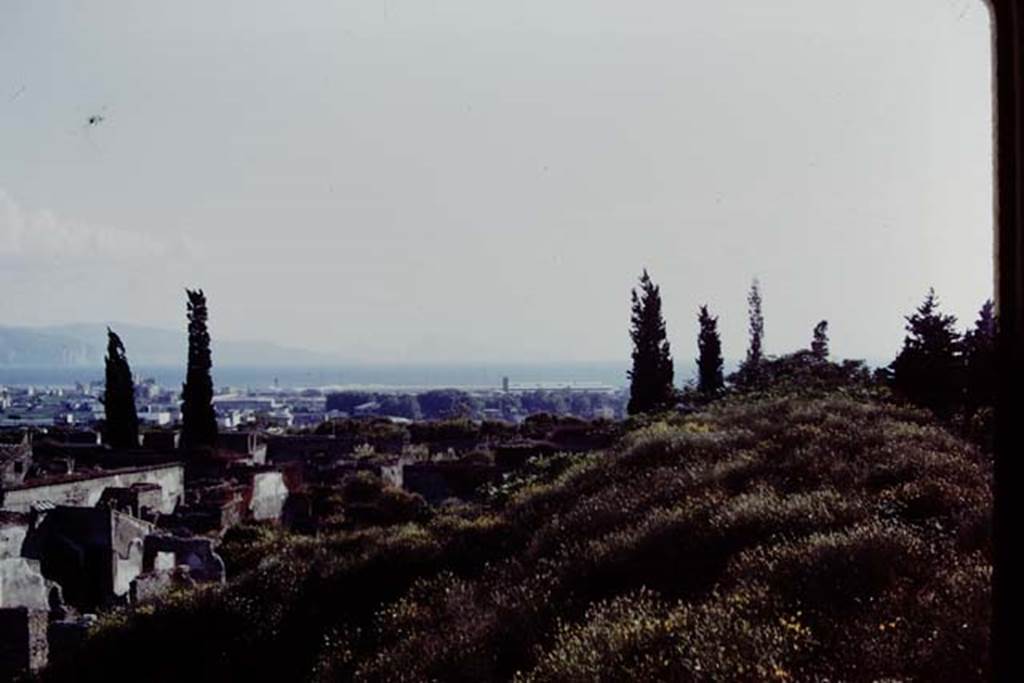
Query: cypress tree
[929, 368]
[651, 377]
[709, 345]
[199, 423]
[755, 352]
[750, 373]
[819, 344]
[979, 357]
[121, 427]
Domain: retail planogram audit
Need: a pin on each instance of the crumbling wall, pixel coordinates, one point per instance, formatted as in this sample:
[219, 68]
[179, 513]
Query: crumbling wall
[269, 494]
[152, 585]
[22, 584]
[127, 534]
[127, 567]
[205, 566]
[139, 500]
[93, 553]
[13, 529]
[85, 491]
[203, 518]
[250, 444]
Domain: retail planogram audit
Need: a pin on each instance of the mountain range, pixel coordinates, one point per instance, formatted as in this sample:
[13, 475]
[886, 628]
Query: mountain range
[85, 344]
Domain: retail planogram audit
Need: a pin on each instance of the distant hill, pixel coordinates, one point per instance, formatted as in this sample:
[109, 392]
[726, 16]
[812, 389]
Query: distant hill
[84, 345]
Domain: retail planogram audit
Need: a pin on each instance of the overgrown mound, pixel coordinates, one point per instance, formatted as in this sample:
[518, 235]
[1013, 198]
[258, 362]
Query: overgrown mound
[765, 538]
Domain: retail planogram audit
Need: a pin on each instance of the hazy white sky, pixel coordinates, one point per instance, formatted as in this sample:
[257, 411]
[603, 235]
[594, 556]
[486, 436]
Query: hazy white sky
[398, 180]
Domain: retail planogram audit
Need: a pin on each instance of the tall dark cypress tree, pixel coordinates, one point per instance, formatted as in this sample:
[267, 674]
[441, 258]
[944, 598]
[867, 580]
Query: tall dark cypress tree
[755, 352]
[709, 345]
[929, 368]
[819, 342]
[199, 423]
[121, 427]
[651, 378]
[979, 357]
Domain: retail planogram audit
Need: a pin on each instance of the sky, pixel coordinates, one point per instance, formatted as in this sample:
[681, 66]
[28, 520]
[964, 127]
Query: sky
[470, 180]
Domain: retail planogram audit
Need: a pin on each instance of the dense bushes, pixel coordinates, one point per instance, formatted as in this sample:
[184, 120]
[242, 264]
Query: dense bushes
[243, 547]
[444, 430]
[767, 537]
[369, 502]
[365, 430]
[641, 637]
[363, 499]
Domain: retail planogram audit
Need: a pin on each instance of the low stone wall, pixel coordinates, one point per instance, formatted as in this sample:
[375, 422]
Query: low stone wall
[85, 490]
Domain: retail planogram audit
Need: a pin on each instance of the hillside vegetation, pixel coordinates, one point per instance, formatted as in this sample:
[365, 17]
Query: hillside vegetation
[780, 535]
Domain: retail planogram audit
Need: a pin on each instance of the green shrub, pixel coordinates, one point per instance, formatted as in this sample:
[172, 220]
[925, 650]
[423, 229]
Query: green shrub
[836, 569]
[244, 546]
[790, 533]
[639, 637]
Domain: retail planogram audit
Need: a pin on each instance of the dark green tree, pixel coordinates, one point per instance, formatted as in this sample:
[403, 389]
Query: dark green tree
[755, 352]
[819, 343]
[709, 362]
[650, 386]
[980, 359]
[929, 368]
[121, 427]
[447, 404]
[198, 421]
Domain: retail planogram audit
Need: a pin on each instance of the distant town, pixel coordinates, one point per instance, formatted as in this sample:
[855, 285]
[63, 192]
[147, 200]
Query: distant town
[69, 502]
[279, 409]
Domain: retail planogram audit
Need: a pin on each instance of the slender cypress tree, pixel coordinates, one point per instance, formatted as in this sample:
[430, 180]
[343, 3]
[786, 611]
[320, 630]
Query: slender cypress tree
[929, 368]
[709, 344]
[199, 423]
[979, 356]
[819, 344]
[121, 427]
[651, 378]
[755, 352]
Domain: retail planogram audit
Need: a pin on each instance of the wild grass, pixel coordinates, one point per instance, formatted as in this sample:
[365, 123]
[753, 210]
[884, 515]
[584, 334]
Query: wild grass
[799, 536]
